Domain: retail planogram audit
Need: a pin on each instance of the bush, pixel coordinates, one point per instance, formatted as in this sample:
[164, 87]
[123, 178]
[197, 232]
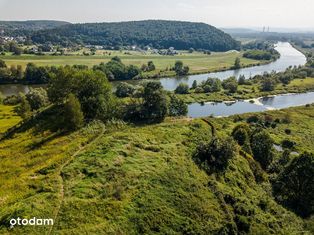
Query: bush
[288, 144]
[262, 147]
[182, 88]
[215, 155]
[268, 84]
[73, 115]
[294, 187]
[199, 90]
[230, 84]
[180, 69]
[37, 98]
[12, 100]
[124, 90]
[177, 107]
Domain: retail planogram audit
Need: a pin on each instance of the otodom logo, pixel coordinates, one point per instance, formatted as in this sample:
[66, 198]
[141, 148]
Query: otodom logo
[30, 222]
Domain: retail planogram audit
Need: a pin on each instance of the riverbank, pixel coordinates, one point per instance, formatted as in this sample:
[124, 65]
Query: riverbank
[249, 92]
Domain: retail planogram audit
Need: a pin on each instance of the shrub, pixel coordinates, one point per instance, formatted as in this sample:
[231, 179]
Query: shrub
[230, 84]
[199, 90]
[182, 88]
[262, 147]
[294, 187]
[177, 107]
[37, 98]
[73, 115]
[124, 90]
[215, 155]
[288, 144]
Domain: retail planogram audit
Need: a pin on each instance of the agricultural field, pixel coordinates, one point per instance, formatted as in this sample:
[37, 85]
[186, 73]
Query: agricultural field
[131, 179]
[197, 61]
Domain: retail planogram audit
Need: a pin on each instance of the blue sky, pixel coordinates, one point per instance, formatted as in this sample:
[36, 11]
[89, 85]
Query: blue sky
[220, 13]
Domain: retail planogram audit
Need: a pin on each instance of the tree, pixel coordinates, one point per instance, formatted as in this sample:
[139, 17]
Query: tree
[194, 84]
[124, 90]
[154, 102]
[262, 147]
[237, 63]
[294, 187]
[34, 74]
[268, 84]
[182, 88]
[230, 84]
[241, 80]
[177, 107]
[180, 69]
[24, 109]
[150, 66]
[73, 115]
[37, 98]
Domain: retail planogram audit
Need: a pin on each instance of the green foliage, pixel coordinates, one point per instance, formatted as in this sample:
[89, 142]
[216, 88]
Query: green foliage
[262, 147]
[180, 69]
[258, 55]
[230, 84]
[268, 84]
[37, 98]
[214, 156]
[237, 63]
[73, 115]
[24, 109]
[116, 70]
[162, 34]
[34, 74]
[177, 107]
[241, 134]
[154, 102]
[294, 187]
[182, 88]
[124, 90]
[194, 84]
[91, 88]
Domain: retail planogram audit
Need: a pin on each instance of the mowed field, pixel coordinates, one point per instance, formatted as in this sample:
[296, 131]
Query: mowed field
[197, 61]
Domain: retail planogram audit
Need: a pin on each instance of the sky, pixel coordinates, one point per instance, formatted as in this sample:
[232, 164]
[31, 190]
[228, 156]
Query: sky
[219, 13]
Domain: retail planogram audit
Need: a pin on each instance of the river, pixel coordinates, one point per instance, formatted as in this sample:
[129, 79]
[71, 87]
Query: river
[222, 109]
[289, 56]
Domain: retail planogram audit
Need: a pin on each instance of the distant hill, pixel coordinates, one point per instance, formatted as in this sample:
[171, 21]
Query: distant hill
[155, 33]
[20, 27]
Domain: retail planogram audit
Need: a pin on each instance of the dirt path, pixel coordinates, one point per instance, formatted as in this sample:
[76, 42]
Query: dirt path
[61, 190]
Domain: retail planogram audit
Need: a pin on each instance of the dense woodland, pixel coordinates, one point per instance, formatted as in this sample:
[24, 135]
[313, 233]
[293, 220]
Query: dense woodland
[24, 28]
[154, 33]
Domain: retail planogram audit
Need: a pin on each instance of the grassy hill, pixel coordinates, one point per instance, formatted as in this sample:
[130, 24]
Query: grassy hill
[133, 179]
[154, 33]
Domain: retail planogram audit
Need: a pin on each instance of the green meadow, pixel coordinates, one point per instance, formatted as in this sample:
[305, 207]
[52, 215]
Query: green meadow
[141, 179]
[197, 61]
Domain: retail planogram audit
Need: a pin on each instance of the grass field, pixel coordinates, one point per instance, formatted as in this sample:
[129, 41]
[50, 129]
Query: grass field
[198, 62]
[140, 179]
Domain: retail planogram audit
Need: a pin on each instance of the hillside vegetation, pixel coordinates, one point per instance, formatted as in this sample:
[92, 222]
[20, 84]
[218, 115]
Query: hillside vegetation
[153, 33]
[142, 179]
[23, 28]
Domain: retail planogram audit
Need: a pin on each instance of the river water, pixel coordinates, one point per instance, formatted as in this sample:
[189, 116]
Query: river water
[223, 109]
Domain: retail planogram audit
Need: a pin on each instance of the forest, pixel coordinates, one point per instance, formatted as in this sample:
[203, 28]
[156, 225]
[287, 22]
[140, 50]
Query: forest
[153, 33]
